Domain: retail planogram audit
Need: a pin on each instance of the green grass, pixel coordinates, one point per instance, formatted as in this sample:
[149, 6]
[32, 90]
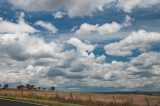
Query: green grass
[43, 102]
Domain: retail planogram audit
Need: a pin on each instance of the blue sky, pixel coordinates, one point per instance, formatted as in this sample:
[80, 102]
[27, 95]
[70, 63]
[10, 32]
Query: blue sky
[87, 45]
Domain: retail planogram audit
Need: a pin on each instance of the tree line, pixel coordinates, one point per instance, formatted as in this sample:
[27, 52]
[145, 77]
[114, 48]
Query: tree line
[28, 87]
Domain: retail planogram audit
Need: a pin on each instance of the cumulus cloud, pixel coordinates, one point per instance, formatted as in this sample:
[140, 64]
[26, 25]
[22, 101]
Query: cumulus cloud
[87, 28]
[21, 26]
[47, 26]
[73, 62]
[72, 7]
[27, 63]
[104, 29]
[146, 60]
[80, 8]
[140, 41]
[129, 5]
[14, 45]
[145, 66]
[81, 47]
[58, 15]
[49, 63]
[20, 59]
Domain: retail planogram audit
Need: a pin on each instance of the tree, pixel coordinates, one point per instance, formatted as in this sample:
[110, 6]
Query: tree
[52, 88]
[35, 88]
[5, 86]
[44, 89]
[39, 88]
[20, 87]
[32, 87]
[28, 86]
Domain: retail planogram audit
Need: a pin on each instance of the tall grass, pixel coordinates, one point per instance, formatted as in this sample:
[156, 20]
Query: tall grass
[78, 98]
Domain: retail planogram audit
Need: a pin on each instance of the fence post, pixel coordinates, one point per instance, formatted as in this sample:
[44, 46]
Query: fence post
[21, 92]
[56, 96]
[90, 99]
[114, 101]
[147, 102]
[71, 96]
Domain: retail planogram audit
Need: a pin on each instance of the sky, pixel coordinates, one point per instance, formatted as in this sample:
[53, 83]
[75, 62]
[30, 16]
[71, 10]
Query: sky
[81, 45]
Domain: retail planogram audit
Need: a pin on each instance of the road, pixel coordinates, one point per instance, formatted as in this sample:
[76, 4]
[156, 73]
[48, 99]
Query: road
[6, 102]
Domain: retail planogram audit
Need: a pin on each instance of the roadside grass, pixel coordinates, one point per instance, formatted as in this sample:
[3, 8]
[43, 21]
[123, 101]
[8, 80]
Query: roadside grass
[40, 101]
[79, 99]
[47, 102]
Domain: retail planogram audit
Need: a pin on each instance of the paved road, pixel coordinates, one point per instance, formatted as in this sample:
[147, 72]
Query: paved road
[5, 102]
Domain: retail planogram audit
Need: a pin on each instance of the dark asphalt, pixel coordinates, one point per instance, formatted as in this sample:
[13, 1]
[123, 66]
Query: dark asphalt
[4, 102]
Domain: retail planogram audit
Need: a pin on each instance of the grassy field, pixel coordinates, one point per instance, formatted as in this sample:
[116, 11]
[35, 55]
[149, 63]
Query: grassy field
[38, 101]
[85, 99]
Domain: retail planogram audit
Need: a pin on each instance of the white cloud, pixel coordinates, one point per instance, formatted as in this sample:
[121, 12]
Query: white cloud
[87, 28]
[47, 26]
[82, 48]
[81, 8]
[109, 28]
[147, 59]
[104, 29]
[14, 45]
[50, 63]
[27, 63]
[22, 61]
[58, 15]
[72, 7]
[140, 40]
[129, 5]
[20, 27]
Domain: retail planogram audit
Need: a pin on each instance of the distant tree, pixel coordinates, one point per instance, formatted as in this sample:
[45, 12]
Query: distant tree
[20, 87]
[32, 87]
[28, 86]
[52, 88]
[39, 88]
[44, 88]
[35, 89]
[5, 86]
[0, 85]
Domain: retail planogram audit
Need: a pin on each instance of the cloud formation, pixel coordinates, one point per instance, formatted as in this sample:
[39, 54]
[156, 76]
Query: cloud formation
[81, 47]
[59, 15]
[49, 63]
[47, 26]
[81, 8]
[72, 7]
[129, 5]
[114, 56]
[140, 41]
[107, 28]
[20, 27]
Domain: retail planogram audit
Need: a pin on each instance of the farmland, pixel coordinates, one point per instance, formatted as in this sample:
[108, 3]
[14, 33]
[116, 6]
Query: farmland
[86, 99]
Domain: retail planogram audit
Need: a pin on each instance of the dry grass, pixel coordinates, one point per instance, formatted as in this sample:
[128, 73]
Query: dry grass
[88, 99]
